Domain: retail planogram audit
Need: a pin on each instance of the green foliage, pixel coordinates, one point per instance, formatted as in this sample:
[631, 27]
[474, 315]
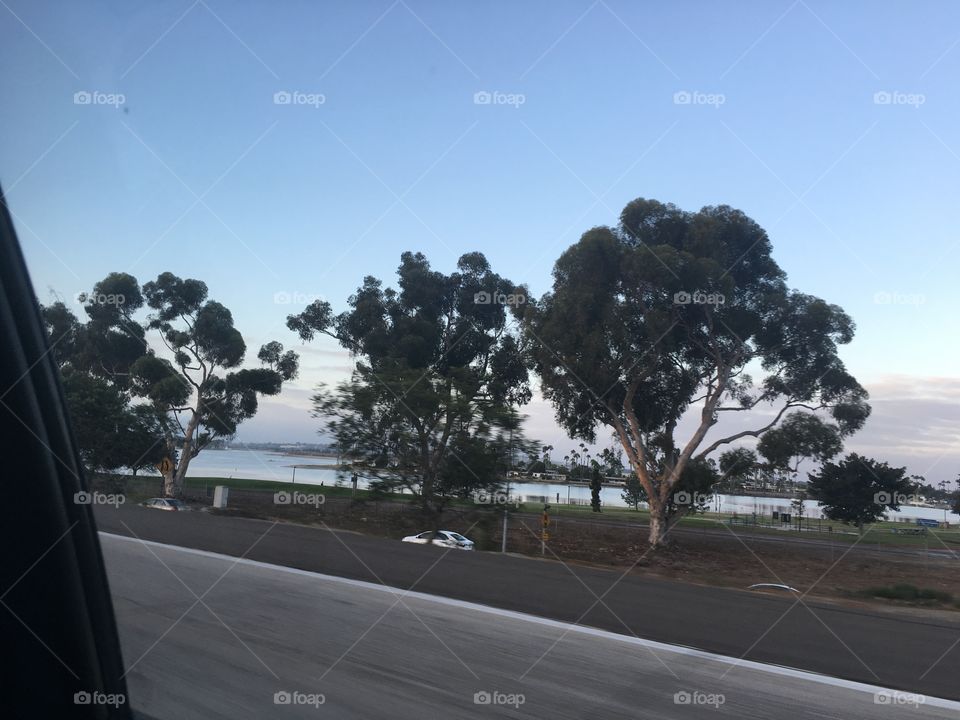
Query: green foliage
[634, 494]
[858, 490]
[905, 591]
[110, 433]
[612, 462]
[116, 381]
[739, 465]
[693, 491]
[429, 405]
[800, 435]
[596, 484]
[666, 311]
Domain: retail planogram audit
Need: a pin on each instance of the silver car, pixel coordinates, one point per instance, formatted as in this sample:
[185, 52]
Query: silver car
[443, 538]
[165, 504]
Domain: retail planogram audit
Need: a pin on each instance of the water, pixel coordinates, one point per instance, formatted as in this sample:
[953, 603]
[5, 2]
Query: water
[258, 465]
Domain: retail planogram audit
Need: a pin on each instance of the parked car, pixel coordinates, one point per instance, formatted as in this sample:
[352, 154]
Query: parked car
[165, 504]
[443, 538]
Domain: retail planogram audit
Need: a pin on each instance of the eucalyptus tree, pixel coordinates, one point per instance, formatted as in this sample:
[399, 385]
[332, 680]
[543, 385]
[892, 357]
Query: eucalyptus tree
[438, 374]
[203, 392]
[170, 404]
[671, 313]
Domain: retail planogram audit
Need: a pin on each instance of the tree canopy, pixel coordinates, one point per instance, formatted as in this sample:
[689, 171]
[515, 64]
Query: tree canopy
[169, 408]
[673, 311]
[859, 490]
[801, 435]
[438, 375]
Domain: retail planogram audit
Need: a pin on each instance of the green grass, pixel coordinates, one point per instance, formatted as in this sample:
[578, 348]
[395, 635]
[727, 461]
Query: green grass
[907, 592]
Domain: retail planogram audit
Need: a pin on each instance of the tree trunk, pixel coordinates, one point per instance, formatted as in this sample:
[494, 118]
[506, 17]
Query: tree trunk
[173, 487]
[658, 523]
[182, 471]
[170, 481]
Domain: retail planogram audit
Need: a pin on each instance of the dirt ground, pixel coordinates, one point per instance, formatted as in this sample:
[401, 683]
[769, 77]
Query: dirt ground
[738, 561]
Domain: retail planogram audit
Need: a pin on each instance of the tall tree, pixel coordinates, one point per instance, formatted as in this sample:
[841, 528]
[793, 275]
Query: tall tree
[665, 313]
[203, 389]
[438, 372]
[179, 404]
[859, 490]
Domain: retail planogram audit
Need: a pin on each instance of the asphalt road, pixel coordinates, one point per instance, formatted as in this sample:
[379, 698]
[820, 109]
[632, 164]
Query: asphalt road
[907, 652]
[205, 636]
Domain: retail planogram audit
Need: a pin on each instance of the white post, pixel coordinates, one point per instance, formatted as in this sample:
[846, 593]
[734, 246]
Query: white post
[503, 544]
[220, 493]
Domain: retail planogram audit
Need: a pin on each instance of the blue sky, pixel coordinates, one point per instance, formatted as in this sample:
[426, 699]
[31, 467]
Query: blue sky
[833, 125]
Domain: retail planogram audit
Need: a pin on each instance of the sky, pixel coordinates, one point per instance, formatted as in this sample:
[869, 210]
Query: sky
[280, 152]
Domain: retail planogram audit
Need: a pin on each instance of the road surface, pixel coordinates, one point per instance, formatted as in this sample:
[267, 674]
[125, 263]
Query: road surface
[208, 636]
[910, 652]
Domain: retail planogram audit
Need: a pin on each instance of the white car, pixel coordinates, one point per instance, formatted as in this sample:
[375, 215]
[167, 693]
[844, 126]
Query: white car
[443, 538]
[165, 504]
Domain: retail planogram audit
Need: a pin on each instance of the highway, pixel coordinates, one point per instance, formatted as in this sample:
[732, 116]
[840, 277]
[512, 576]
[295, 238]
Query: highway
[909, 652]
[210, 636]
